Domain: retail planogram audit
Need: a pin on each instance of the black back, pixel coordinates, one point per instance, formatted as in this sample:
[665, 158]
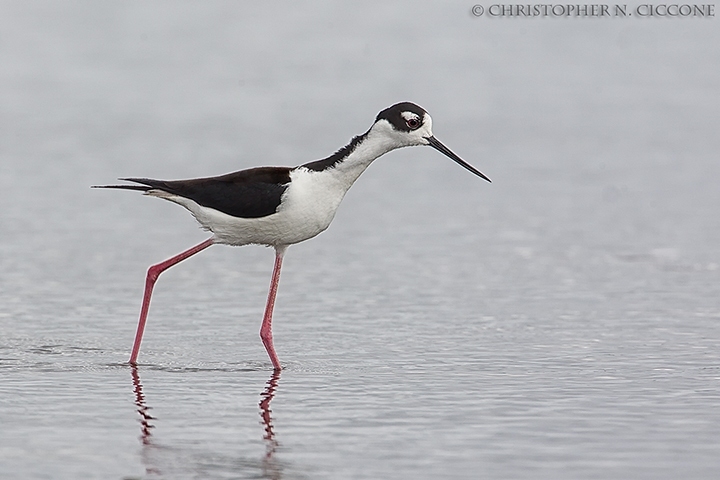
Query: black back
[251, 193]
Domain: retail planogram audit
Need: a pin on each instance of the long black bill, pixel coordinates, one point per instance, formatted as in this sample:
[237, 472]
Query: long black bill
[437, 145]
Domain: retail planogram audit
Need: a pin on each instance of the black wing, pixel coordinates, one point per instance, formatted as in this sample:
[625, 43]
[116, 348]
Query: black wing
[251, 193]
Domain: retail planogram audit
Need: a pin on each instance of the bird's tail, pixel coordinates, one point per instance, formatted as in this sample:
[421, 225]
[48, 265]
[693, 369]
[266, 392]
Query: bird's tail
[148, 184]
[141, 188]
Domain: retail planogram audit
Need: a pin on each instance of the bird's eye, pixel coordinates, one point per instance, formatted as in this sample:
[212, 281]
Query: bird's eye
[413, 123]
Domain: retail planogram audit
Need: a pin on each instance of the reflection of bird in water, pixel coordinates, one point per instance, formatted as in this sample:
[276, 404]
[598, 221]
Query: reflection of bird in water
[281, 206]
[145, 418]
[271, 468]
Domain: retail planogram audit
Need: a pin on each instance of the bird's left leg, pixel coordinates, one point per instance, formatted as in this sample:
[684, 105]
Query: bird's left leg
[152, 275]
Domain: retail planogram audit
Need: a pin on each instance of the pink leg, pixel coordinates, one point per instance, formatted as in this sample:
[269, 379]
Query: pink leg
[266, 329]
[152, 276]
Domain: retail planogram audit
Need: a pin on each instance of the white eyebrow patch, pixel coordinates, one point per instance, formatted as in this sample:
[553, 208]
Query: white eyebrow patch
[409, 115]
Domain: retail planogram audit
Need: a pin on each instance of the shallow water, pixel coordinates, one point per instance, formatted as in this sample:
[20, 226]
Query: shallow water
[561, 322]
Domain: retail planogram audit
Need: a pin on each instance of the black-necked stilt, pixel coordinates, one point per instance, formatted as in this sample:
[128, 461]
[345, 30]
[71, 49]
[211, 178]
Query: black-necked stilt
[280, 206]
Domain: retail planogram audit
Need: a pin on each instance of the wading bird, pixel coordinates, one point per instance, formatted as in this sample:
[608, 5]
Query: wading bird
[281, 206]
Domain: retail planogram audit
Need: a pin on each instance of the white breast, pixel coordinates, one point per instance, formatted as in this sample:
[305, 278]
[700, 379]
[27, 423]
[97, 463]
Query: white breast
[307, 208]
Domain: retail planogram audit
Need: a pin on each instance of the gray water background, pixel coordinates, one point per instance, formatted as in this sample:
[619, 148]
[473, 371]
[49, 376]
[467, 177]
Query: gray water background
[561, 322]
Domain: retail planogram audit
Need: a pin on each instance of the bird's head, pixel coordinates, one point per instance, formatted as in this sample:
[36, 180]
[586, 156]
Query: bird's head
[407, 124]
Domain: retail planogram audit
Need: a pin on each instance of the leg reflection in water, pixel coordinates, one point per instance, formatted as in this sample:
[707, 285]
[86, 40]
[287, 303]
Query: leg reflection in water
[143, 409]
[271, 468]
[171, 459]
[145, 420]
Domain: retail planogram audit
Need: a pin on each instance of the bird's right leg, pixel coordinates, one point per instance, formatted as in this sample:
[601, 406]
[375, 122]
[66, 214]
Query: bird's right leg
[266, 328]
[152, 276]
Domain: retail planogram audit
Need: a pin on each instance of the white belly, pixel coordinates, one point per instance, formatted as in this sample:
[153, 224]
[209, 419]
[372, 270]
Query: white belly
[307, 208]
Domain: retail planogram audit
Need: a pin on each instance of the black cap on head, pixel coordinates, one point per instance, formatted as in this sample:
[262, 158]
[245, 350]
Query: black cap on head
[393, 115]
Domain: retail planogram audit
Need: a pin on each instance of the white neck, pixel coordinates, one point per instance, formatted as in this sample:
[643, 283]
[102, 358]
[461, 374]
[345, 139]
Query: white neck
[317, 188]
[376, 143]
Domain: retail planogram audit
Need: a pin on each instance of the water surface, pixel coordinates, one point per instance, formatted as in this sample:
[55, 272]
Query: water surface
[561, 322]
